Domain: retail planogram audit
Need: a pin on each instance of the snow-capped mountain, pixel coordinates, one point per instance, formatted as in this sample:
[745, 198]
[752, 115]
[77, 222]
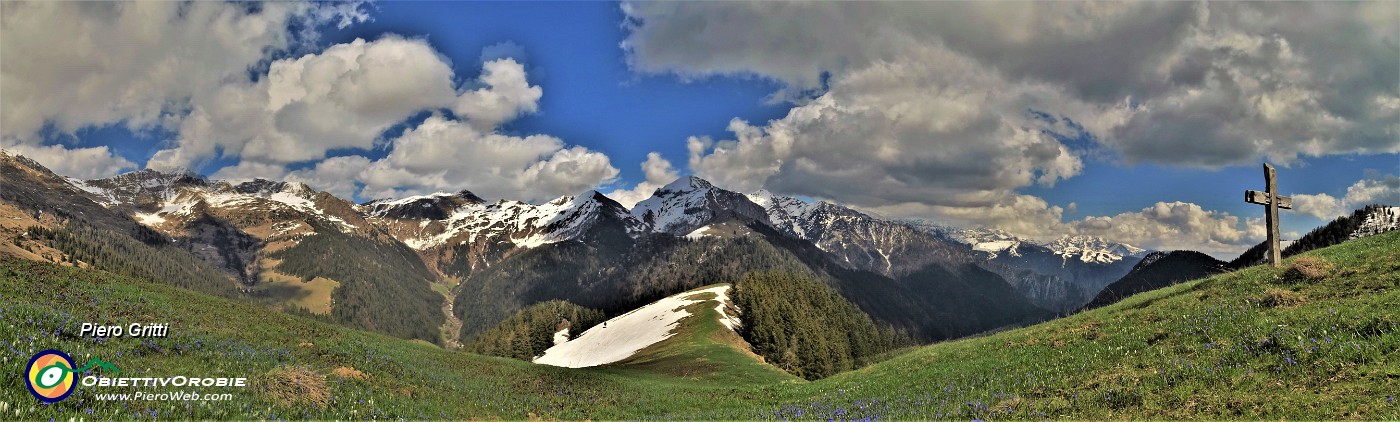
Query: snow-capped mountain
[295, 247]
[1085, 249]
[142, 189]
[232, 226]
[1060, 275]
[689, 203]
[155, 198]
[857, 239]
[1093, 250]
[785, 213]
[433, 221]
[990, 241]
[437, 206]
[459, 232]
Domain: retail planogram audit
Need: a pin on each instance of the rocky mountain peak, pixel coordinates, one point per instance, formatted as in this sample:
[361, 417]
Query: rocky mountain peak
[687, 184]
[436, 206]
[1092, 249]
[141, 189]
[264, 188]
[690, 203]
[146, 179]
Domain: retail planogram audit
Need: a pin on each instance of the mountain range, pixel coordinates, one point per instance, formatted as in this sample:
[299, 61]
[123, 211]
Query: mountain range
[447, 267]
[1060, 275]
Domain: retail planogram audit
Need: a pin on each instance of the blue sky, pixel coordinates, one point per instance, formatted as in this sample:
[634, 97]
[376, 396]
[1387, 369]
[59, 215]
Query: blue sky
[905, 110]
[591, 96]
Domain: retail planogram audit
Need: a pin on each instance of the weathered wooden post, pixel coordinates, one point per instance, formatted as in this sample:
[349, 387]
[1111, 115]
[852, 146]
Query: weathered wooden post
[1271, 206]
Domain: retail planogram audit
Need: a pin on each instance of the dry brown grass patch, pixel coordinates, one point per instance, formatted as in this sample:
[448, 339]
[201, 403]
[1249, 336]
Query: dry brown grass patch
[1308, 268]
[349, 373]
[293, 385]
[1275, 297]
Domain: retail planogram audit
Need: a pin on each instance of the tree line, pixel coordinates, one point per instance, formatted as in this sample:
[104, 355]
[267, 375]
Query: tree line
[120, 253]
[531, 331]
[803, 326]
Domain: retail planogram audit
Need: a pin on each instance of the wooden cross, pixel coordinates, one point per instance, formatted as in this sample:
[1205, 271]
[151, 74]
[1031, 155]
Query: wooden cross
[1271, 206]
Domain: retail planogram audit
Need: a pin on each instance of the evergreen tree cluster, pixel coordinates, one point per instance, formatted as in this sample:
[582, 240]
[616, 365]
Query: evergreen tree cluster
[120, 253]
[803, 326]
[530, 331]
[384, 286]
[677, 264]
[1337, 231]
[610, 279]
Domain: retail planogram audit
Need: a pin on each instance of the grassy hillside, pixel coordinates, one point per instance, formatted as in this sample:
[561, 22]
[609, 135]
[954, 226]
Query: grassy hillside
[1315, 341]
[1158, 270]
[304, 368]
[1257, 343]
[704, 352]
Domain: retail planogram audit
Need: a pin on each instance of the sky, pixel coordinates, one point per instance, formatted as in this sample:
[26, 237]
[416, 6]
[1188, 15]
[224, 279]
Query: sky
[1138, 122]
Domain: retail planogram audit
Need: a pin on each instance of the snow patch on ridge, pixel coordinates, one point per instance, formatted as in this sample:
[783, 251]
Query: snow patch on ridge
[525, 225]
[103, 197]
[698, 233]
[621, 337]
[1379, 221]
[149, 219]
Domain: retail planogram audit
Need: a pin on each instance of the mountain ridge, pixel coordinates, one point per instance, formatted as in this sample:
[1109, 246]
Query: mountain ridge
[585, 248]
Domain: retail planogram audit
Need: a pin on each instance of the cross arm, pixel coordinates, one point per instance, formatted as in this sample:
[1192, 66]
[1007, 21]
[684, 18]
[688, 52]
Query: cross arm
[1262, 198]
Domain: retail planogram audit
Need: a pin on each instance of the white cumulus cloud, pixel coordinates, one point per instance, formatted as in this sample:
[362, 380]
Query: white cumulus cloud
[505, 95]
[81, 163]
[895, 132]
[346, 96]
[343, 97]
[1177, 225]
[1192, 84]
[1161, 226]
[73, 65]
[1373, 189]
[948, 110]
[445, 155]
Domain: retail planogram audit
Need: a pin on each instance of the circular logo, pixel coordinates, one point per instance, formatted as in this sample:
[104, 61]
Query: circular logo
[50, 376]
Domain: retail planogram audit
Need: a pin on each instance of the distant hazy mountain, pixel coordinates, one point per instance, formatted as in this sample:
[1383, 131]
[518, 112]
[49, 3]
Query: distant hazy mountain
[1061, 275]
[859, 241]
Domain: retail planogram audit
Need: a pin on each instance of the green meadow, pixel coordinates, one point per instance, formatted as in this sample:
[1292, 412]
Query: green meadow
[1316, 339]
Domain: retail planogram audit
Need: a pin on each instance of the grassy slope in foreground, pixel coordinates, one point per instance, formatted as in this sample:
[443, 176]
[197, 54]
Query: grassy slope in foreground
[41, 306]
[1256, 343]
[1248, 344]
